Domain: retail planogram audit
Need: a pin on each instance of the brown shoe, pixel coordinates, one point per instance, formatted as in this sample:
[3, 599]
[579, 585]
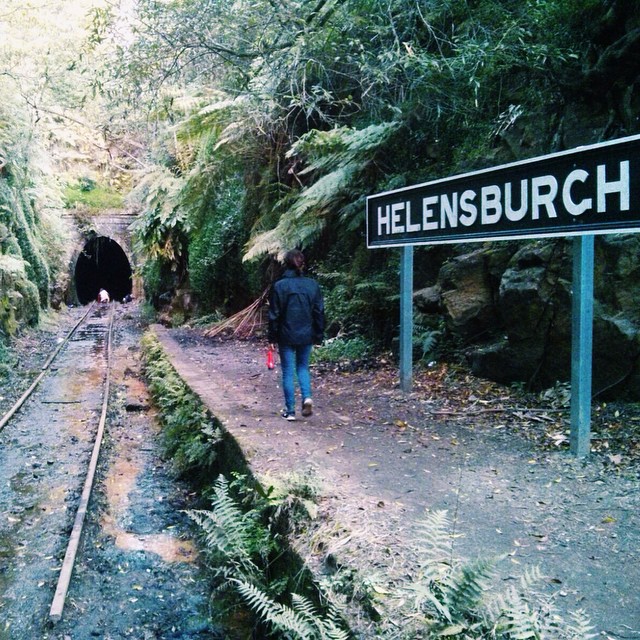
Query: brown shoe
[307, 407]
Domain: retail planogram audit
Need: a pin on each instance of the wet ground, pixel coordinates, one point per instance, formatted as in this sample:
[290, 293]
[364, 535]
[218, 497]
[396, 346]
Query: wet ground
[137, 574]
[496, 460]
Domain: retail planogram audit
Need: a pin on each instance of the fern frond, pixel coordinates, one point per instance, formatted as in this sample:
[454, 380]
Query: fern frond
[230, 532]
[464, 590]
[222, 536]
[157, 230]
[327, 149]
[433, 548]
[278, 616]
[303, 607]
[328, 628]
[531, 576]
[521, 623]
[581, 627]
[427, 598]
[306, 218]
[434, 543]
[338, 157]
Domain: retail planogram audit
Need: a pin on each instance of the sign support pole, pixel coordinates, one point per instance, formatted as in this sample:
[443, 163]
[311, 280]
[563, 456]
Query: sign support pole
[581, 344]
[406, 318]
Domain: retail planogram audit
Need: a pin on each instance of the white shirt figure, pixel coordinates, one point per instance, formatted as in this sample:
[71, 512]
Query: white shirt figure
[103, 296]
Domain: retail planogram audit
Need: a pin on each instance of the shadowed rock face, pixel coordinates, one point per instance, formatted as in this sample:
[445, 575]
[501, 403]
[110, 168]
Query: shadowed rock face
[511, 306]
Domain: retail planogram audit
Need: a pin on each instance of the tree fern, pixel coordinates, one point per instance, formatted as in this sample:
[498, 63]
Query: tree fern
[159, 230]
[335, 160]
[305, 220]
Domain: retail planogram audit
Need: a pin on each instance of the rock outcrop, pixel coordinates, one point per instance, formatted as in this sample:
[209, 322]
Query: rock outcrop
[510, 306]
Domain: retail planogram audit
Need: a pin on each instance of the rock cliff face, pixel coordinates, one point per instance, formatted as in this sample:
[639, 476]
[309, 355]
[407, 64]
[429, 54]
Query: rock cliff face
[19, 301]
[510, 305]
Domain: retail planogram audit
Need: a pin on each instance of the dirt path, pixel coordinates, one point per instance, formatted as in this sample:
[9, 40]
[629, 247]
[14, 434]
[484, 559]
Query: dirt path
[456, 443]
[137, 574]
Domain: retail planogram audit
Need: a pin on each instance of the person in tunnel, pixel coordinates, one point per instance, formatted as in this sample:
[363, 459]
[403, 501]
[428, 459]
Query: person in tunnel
[103, 296]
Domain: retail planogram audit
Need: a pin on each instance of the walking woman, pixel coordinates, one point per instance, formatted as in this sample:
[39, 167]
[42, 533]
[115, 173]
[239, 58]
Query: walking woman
[296, 323]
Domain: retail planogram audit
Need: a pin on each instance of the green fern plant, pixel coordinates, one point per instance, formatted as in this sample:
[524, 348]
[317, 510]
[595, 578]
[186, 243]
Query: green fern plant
[238, 542]
[337, 159]
[456, 601]
[155, 230]
[244, 549]
[580, 627]
[426, 337]
[521, 611]
[301, 621]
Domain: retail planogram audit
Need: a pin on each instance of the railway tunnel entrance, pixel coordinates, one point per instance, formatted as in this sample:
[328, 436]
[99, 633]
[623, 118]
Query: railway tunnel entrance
[102, 263]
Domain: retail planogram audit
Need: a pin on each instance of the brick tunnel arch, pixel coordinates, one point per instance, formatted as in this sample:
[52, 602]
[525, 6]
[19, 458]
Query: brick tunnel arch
[102, 263]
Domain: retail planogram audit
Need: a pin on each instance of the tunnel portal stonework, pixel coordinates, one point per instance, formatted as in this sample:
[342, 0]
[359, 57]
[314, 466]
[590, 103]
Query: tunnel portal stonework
[101, 255]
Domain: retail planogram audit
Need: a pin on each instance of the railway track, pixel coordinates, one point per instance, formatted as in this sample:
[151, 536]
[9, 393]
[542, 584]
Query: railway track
[136, 572]
[59, 423]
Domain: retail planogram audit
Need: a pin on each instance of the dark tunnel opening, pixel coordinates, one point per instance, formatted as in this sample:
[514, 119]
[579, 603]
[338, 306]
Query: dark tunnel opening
[102, 264]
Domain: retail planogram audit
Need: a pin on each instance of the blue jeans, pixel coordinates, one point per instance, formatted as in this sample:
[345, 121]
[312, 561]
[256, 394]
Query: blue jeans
[295, 358]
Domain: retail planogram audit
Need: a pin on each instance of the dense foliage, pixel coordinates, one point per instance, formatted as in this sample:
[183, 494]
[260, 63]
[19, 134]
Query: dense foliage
[29, 235]
[40, 98]
[278, 118]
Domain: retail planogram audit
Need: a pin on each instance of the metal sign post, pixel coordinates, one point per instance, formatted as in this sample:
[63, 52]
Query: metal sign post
[406, 319]
[581, 345]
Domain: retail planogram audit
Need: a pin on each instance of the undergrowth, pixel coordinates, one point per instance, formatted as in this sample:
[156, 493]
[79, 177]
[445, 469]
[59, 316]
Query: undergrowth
[261, 587]
[339, 348]
[190, 435]
[251, 566]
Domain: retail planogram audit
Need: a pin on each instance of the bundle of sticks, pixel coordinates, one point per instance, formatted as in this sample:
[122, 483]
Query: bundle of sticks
[245, 323]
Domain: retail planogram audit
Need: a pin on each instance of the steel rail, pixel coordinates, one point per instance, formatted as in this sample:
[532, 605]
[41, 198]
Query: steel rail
[64, 579]
[9, 414]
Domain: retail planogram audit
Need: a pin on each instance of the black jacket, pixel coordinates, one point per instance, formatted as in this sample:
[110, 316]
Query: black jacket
[296, 310]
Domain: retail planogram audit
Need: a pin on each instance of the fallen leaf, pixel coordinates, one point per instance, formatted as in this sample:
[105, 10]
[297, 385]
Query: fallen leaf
[453, 630]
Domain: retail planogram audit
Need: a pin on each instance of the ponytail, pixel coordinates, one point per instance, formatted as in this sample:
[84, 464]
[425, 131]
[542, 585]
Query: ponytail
[294, 259]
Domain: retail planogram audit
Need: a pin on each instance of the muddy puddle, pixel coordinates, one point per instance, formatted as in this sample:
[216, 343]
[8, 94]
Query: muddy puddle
[121, 481]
